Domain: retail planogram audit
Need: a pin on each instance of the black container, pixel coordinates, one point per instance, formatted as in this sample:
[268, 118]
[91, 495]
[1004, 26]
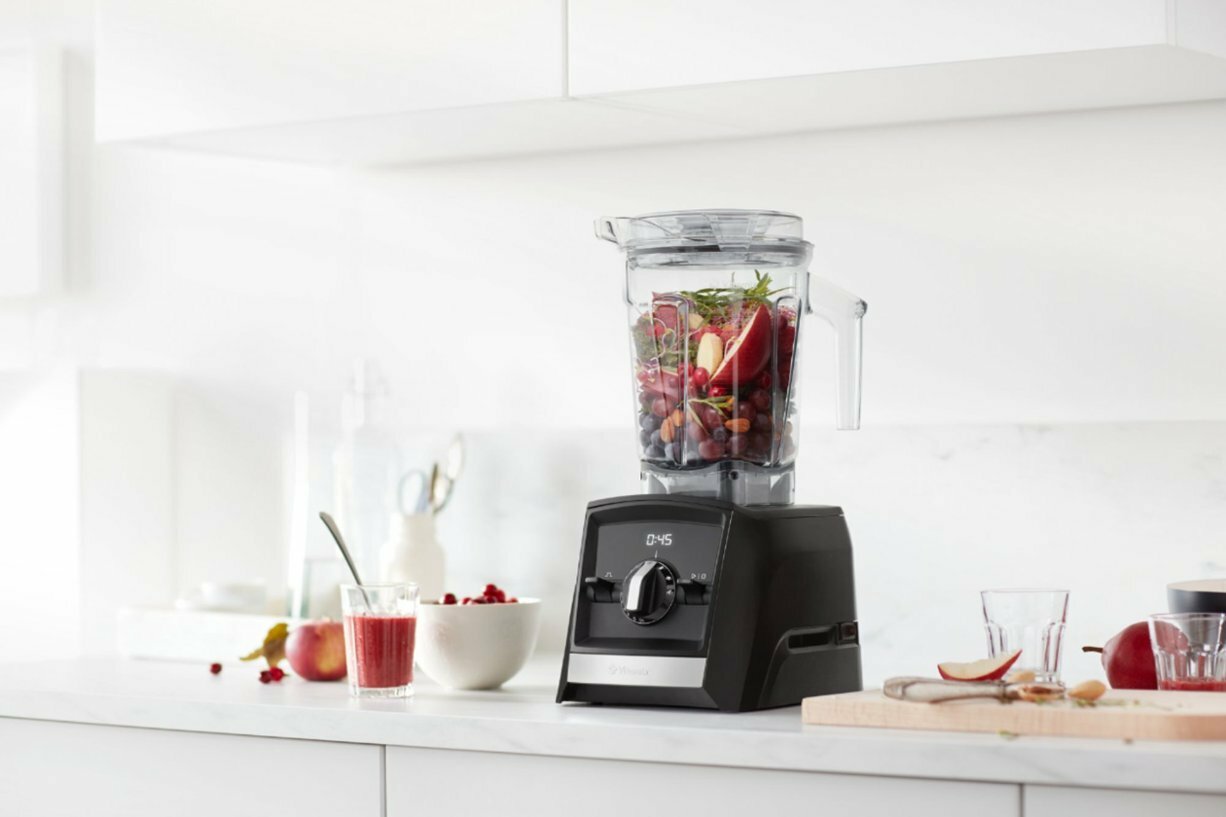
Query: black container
[1201, 596]
[689, 601]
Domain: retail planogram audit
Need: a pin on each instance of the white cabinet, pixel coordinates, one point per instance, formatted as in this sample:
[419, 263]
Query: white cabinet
[60, 769]
[1046, 801]
[434, 781]
[389, 81]
[635, 45]
[213, 65]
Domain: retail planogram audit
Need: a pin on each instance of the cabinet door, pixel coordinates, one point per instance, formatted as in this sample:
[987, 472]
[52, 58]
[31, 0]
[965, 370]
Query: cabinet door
[1046, 801]
[206, 65]
[634, 45]
[62, 769]
[425, 781]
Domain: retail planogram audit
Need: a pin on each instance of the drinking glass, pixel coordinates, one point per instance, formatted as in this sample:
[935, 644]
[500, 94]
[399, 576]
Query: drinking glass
[1189, 650]
[380, 629]
[1031, 620]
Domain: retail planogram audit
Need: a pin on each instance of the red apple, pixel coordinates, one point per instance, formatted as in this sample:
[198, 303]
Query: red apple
[1128, 658]
[746, 355]
[986, 669]
[316, 650]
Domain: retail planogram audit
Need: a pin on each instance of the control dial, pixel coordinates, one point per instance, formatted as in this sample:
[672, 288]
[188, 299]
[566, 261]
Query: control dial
[649, 592]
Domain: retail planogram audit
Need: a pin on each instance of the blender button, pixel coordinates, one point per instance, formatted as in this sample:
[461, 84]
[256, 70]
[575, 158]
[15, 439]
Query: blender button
[848, 631]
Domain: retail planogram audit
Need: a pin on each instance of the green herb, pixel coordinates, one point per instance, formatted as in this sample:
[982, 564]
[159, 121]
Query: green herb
[713, 301]
[1006, 734]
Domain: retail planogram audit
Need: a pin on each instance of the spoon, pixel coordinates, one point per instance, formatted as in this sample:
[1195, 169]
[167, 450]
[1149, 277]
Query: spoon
[330, 524]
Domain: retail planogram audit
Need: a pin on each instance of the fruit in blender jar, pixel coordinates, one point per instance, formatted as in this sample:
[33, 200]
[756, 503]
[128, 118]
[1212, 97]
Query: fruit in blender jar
[710, 353]
[1128, 658]
[316, 650]
[712, 378]
[985, 669]
[747, 355]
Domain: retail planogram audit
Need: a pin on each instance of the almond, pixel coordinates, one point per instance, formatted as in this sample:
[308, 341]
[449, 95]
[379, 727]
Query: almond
[677, 418]
[1088, 691]
[667, 431]
[738, 425]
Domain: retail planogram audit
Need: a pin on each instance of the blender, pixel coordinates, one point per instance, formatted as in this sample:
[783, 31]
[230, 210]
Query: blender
[710, 588]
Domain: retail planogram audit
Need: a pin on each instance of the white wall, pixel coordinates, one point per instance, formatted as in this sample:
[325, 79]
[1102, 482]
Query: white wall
[1033, 282]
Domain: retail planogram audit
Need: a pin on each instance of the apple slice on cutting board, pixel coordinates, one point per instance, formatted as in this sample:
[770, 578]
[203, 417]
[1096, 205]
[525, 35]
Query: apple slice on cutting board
[747, 354]
[986, 669]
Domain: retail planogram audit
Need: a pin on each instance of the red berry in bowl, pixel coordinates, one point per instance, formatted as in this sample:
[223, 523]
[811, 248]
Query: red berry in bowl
[276, 673]
[448, 598]
[215, 668]
[490, 589]
[265, 676]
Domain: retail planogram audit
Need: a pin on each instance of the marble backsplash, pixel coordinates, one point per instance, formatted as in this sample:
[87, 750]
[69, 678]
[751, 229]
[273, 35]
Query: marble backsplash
[1110, 511]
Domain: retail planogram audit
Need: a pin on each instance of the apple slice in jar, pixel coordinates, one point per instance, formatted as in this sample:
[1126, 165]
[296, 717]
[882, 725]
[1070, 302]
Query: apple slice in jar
[746, 355]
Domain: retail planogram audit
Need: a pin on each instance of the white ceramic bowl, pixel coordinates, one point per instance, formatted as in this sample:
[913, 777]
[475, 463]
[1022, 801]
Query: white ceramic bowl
[475, 646]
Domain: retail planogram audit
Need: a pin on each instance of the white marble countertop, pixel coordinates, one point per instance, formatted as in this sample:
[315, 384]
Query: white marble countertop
[523, 718]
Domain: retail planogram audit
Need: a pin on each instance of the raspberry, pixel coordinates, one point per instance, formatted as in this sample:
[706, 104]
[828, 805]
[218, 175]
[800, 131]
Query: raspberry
[215, 668]
[500, 594]
[448, 598]
[276, 673]
[490, 600]
[512, 600]
[265, 678]
[490, 589]
[468, 600]
[480, 600]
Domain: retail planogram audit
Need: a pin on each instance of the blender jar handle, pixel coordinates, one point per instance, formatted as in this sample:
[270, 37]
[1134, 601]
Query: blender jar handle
[844, 312]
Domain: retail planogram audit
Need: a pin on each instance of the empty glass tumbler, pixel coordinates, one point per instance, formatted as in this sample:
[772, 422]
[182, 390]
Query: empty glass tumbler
[1030, 620]
[1189, 651]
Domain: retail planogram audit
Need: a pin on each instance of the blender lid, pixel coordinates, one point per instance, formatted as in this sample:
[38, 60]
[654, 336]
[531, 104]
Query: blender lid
[703, 229]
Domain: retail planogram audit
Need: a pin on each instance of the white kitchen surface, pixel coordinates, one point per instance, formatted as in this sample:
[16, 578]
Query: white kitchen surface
[523, 719]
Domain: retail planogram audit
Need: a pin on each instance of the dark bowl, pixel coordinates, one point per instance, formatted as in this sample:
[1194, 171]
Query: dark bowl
[1200, 596]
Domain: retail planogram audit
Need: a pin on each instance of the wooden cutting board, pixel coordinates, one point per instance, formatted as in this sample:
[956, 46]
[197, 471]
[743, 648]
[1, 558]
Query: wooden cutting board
[1125, 713]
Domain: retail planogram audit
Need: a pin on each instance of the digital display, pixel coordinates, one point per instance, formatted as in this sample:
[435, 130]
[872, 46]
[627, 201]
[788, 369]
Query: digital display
[660, 539]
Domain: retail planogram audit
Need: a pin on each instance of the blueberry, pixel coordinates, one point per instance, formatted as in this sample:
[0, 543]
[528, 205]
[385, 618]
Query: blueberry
[656, 439]
[649, 422]
[655, 452]
[645, 438]
[719, 435]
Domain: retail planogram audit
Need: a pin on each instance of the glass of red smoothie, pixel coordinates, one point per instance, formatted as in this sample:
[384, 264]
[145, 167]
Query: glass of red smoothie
[1189, 651]
[380, 626]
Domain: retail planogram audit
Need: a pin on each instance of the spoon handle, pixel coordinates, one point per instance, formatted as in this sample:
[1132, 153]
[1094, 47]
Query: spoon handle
[330, 524]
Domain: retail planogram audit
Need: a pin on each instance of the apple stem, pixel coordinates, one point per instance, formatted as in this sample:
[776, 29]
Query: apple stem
[1091, 649]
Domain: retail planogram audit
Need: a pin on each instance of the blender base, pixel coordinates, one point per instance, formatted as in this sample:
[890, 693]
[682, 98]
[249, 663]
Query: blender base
[742, 483]
[690, 601]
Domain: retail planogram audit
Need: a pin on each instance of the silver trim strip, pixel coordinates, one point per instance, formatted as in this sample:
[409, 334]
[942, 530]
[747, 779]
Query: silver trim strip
[636, 670]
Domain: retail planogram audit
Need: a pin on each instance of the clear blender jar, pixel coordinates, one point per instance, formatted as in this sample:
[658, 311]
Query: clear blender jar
[715, 302]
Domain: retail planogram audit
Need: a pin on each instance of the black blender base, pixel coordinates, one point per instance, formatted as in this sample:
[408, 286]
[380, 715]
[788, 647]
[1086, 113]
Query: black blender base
[694, 602]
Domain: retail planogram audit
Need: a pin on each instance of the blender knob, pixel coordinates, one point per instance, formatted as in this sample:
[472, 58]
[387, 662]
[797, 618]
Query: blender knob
[649, 592]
